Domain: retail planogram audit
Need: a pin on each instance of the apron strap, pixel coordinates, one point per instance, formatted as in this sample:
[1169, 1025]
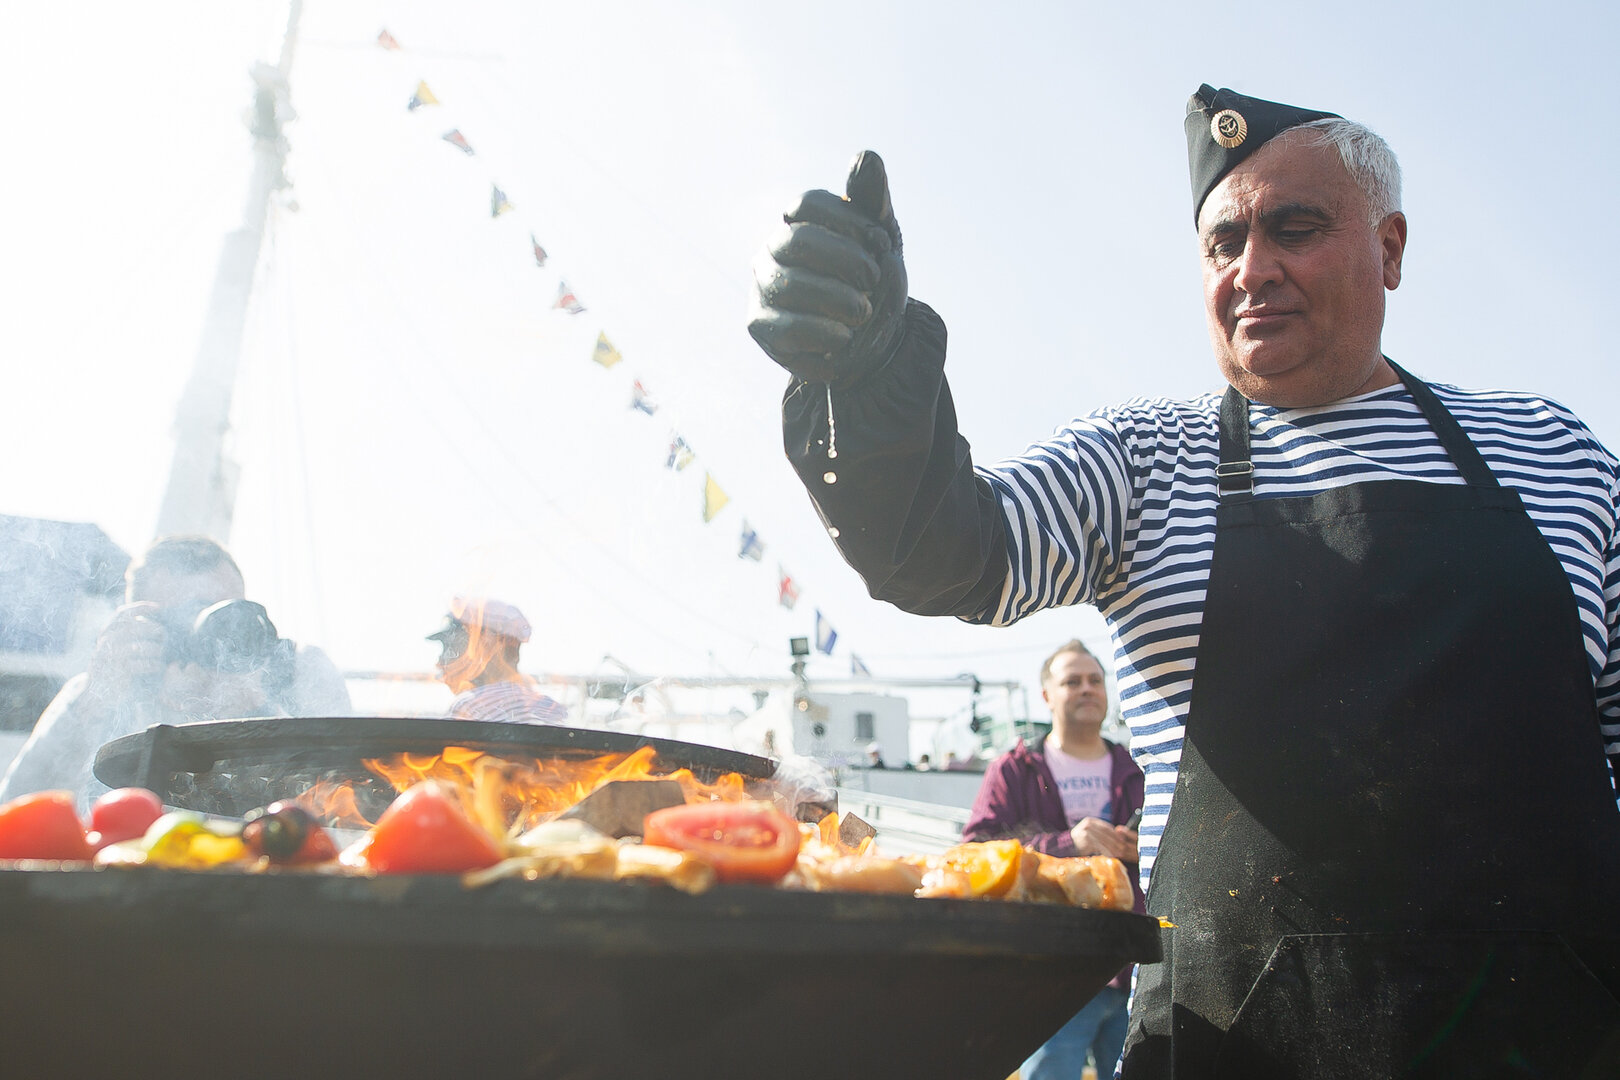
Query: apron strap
[1235, 473]
[1464, 454]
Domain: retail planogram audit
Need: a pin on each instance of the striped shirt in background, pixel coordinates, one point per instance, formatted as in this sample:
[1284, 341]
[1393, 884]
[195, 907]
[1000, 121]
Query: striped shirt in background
[1118, 510]
[508, 703]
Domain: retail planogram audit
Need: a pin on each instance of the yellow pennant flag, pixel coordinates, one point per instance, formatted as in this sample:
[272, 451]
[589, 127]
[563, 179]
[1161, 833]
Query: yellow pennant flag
[423, 96]
[714, 500]
[604, 353]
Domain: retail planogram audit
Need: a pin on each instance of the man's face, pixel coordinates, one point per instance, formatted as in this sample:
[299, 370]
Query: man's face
[1294, 276]
[1077, 694]
[453, 667]
[471, 654]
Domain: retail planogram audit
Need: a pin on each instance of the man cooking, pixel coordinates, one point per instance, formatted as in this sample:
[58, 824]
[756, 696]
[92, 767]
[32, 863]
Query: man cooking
[1355, 614]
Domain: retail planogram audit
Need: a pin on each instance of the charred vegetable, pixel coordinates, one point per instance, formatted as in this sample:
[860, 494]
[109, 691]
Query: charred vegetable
[286, 834]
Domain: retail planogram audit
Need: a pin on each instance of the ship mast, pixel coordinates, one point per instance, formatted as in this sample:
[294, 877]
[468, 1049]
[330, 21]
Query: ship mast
[200, 497]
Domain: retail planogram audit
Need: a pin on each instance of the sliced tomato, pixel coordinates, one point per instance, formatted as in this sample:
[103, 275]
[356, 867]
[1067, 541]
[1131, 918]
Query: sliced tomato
[425, 831]
[44, 825]
[743, 841]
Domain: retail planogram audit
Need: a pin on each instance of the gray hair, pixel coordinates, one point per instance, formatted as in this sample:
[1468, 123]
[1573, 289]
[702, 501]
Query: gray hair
[1368, 159]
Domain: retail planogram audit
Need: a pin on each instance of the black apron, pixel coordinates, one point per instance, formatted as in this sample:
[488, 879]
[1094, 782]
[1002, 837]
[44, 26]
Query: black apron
[1393, 848]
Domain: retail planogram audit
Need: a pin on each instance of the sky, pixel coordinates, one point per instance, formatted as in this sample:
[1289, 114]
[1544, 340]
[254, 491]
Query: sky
[414, 420]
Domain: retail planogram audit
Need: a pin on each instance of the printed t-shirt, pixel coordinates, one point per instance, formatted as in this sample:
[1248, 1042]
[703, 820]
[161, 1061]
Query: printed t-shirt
[1082, 783]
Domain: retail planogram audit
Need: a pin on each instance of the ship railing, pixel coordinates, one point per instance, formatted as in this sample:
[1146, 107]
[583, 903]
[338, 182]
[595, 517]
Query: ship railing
[905, 826]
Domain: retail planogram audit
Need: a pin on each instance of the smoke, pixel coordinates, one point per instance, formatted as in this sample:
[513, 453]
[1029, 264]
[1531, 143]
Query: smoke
[805, 788]
[59, 582]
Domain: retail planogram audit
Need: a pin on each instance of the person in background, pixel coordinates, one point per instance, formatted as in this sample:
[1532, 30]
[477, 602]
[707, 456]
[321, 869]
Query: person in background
[478, 659]
[925, 764]
[186, 646]
[874, 757]
[1075, 794]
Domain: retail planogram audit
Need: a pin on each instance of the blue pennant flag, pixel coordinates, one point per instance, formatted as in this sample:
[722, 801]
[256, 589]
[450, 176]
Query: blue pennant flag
[752, 546]
[826, 636]
[858, 668]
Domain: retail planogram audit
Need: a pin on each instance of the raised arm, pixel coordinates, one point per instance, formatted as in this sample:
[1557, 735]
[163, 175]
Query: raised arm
[868, 421]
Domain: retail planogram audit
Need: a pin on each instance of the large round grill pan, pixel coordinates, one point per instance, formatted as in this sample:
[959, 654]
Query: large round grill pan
[155, 972]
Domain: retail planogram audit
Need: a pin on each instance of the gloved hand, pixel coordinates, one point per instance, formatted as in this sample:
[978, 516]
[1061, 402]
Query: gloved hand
[830, 302]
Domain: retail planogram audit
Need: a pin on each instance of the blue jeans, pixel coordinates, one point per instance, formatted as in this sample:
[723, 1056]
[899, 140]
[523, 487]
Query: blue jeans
[1099, 1028]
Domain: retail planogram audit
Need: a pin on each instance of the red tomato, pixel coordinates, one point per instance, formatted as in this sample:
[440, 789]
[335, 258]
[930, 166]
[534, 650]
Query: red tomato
[44, 825]
[424, 831]
[123, 814]
[746, 841]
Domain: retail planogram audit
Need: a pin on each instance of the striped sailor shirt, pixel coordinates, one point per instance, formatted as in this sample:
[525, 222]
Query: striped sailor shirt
[508, 703]
[1118, 510]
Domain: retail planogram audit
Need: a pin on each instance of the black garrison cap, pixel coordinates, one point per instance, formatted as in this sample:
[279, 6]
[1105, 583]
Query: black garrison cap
[1224, 127]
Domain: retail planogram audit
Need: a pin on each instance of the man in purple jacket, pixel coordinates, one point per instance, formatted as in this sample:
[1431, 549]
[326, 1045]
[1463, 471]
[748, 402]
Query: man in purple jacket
[1071, 795]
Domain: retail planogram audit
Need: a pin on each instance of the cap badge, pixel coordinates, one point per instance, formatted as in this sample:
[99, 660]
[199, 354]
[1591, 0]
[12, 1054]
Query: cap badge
[1229, 128]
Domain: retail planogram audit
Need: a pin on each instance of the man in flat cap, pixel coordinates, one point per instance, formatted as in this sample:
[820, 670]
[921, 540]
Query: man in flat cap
[478, 660]
[1367, 627]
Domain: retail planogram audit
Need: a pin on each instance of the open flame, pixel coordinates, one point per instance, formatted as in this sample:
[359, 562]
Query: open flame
[508, 797]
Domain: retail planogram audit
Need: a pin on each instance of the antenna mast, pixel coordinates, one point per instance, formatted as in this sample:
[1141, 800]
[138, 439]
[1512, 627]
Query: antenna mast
[200, 496]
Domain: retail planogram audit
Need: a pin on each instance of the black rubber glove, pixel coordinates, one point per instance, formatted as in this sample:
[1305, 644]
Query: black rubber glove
[830, 301]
